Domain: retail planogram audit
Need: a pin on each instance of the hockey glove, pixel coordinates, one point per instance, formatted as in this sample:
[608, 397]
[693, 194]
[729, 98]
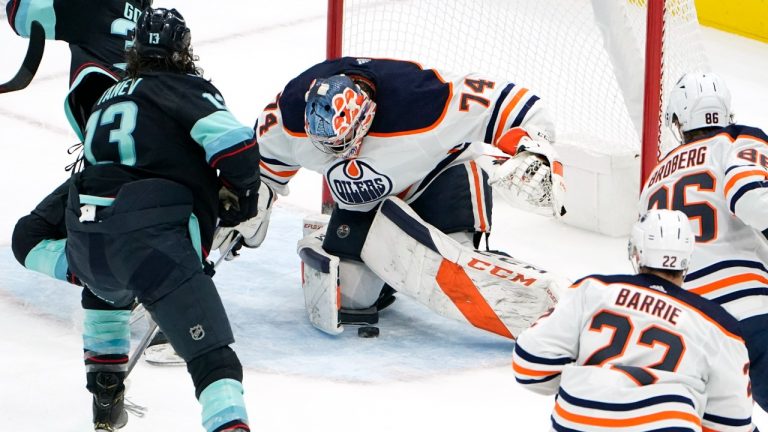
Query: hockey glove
[236, 206]
[253, 230]
[527, 180]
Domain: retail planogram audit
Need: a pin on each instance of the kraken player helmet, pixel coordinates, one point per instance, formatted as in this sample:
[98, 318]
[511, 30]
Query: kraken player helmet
[338, 115]
[663, 240]
[698, 100]
[161, 33]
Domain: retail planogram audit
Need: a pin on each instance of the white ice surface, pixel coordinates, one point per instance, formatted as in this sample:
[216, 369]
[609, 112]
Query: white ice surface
[422, 373]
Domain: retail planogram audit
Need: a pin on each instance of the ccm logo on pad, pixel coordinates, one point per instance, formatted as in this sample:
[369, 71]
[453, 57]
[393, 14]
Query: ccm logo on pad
[500, 272]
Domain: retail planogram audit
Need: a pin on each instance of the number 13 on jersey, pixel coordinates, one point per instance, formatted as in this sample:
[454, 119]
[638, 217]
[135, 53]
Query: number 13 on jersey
[124, 114]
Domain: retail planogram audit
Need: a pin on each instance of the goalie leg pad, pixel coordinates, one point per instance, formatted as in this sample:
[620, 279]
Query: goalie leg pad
[496, 294]
[320, 282]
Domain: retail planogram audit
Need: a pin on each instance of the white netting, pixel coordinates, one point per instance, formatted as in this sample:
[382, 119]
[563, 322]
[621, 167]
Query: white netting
[590, 74]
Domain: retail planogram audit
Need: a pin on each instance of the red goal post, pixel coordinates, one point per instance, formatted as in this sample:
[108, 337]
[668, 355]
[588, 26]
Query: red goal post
[603, 67]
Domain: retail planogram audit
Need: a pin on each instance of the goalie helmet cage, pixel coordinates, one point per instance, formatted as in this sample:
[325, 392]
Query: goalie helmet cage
[602, 67]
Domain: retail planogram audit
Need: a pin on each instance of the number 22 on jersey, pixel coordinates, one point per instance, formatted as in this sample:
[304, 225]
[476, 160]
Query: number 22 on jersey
[650, 336]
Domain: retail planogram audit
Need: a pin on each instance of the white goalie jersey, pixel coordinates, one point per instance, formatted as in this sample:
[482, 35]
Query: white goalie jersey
[720, 183]
[425, 122]
[637, 353]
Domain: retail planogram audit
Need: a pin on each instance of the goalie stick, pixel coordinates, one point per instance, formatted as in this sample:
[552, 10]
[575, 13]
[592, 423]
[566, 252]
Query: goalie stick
[31, 61]
[153, 328]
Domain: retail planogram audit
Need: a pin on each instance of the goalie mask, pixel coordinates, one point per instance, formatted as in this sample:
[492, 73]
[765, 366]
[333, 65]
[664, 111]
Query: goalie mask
[338, 115]
[663, 240]
[161, 33]
[697, 101]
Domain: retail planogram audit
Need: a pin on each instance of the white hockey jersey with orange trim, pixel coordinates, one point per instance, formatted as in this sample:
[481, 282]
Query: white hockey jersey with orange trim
[719, 182]
[637, 353]
[425, 122]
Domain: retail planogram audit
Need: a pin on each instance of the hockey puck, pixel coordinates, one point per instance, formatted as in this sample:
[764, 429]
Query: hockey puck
[368, 332]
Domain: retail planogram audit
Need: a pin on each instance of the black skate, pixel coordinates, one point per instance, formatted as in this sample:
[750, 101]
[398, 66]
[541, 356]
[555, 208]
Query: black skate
[108, 400]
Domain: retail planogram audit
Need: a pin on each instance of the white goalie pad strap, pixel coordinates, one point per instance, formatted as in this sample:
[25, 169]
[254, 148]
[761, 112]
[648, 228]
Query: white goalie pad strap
[320, 282]
[503, 296]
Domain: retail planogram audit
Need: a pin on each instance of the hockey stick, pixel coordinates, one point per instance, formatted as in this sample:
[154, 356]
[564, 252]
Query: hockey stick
[143, 344]
[31, 61]
[153, 328]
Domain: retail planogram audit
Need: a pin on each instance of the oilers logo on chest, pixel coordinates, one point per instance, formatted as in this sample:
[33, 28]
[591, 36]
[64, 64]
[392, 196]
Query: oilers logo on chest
[355, 182]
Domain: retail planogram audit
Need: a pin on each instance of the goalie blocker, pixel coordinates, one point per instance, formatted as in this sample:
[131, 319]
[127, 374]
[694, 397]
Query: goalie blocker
[490, 291]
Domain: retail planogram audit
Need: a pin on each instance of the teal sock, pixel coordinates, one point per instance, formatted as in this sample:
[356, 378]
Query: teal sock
[222, 403]
[106, 335]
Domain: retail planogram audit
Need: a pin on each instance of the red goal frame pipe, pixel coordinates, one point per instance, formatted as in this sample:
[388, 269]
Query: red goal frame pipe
[654, 63]
[332, 50]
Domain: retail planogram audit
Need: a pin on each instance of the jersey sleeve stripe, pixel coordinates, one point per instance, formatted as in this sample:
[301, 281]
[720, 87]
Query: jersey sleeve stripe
[219, 131]
[496, 108]
[724, 265]
[283, 174]
[728, 281]
[727, 421]
[522, 370]
[478, 196]
[505, 114]
[751, 173]
[525, 381]
[624, 406]
[743, 190]
[527, 107]
[275, 162]
[625, 422]
[525, 355]
[233, 150]
[740, 294]
[733, 167]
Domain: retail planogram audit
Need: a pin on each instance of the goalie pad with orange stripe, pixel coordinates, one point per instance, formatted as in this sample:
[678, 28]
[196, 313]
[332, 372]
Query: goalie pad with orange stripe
[491, 292]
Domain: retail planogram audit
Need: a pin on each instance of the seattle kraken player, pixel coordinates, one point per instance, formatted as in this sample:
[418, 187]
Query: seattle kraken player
[97, 34]
[140, 218]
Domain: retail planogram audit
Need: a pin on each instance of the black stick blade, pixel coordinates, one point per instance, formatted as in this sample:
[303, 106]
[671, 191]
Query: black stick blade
[31, 61]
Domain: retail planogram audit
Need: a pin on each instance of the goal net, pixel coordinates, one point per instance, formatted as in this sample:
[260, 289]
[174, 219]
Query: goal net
[585, 58]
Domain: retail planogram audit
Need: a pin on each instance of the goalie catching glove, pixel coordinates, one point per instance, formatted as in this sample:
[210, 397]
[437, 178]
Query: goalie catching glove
[532, 179]
[253, 229]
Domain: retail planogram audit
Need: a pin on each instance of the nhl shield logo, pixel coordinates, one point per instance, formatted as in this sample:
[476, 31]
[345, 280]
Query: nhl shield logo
[342, 231]
[197, 332]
